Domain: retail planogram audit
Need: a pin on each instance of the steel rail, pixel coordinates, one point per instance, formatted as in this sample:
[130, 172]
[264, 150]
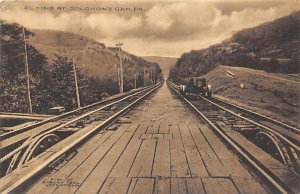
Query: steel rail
[25, 114]
[55, 156]
[274, 121]
[296, 147]
[293, 145]
[23, 146]
[250, 159]
[70, 113]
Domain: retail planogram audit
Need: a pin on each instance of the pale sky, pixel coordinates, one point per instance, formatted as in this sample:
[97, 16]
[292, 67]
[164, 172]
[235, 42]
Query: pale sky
[148, 28]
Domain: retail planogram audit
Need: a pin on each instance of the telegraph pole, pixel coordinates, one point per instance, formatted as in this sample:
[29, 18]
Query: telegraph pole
[154, 79]
[76, 83]
[144, 77]
[121, 68]
[29, 105]
[152, 76]
[134, 81]
[210, 56]
[119, 80]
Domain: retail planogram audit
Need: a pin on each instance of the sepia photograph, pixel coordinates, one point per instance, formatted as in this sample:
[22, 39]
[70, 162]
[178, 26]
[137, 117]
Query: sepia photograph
[150, 96]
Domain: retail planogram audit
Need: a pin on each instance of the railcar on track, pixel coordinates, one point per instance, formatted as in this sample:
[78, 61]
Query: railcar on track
[196, 86]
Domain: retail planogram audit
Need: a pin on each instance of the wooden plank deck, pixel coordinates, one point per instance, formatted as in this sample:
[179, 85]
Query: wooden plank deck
[161, 164]
[165, 149]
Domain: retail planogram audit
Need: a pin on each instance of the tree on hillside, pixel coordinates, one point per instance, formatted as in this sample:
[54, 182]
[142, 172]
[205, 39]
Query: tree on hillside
[139, 81]
[277, 32]
[53, 85]
[12, 65]
[60, 84]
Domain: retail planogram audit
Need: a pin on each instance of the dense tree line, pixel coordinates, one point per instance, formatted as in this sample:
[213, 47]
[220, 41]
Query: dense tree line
[13, 88]
[278, 32]
[51, 84]
[275, 41]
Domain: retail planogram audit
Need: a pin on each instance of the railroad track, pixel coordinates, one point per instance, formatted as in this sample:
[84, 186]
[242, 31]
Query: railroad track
[287, 130]
[72, 128]
[24, 115]
[69, 115]
[267, 149]
[67, 123]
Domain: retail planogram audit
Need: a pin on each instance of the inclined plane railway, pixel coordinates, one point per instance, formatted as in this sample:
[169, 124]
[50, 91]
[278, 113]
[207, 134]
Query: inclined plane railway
[21, 146]
[276, 139]
[244, 131]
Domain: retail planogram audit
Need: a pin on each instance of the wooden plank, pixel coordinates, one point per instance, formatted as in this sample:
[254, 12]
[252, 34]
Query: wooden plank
[227, 185]
[158, 136]
[195, 186]
[115, 185]
[174, 130]
[142, 166]
[162, 186]
[141, 130]
[179, 164]
[85, 168]
[239, 174]
[153, 128]
[161, 166]
[168, 136]
[82, 153]
[164, 128]
[196, 164]
[132, 185]
[103, 168]
[122, 167]
[219, 185]
[146, 136]
[141, 185]
[178, 186]
[213, 165]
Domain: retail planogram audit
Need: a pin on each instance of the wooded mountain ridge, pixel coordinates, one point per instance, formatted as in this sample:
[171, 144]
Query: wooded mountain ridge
[272, 46]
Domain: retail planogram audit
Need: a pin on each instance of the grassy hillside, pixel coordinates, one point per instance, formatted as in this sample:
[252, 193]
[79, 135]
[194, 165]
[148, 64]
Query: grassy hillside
[273, 47]
[165, 63]
[274, 95]
[95, 58]
[265, 63]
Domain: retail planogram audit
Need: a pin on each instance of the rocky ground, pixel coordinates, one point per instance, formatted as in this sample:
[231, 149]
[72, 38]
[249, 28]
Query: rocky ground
[274, 95]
